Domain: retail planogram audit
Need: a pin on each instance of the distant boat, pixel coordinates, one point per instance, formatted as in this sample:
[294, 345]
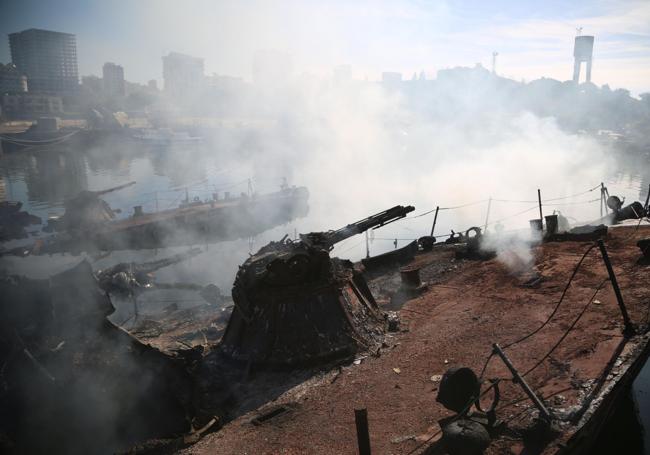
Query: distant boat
[166, 137]
[47, 133]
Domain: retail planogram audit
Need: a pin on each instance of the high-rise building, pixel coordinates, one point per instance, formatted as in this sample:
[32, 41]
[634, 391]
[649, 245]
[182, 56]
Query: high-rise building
[182, 74]
[583, 50]
[11, 80]
[113, 79]
[48, 59]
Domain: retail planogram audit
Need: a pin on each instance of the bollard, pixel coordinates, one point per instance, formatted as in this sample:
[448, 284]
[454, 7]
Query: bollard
[363, 436]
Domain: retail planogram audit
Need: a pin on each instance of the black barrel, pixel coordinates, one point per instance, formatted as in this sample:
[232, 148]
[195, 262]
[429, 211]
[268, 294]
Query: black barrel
[551, 224]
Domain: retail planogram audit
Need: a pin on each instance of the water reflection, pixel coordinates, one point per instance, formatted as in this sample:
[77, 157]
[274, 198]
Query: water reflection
[42, 180]
[52, 177]
[632, 171]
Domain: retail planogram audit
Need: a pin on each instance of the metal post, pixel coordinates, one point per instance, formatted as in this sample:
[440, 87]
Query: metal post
[629, 328]
[605, 194]
[602, 201]
[367, 246]
[487, 215]
[435, 218]
[363, 437]
[647, 200]
[517, 378]
[539, 199]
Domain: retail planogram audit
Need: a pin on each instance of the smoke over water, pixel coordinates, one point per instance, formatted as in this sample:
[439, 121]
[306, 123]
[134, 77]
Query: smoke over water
[362, 147]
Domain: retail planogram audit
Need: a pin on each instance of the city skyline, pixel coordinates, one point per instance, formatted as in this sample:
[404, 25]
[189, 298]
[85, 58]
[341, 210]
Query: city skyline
[532, 40]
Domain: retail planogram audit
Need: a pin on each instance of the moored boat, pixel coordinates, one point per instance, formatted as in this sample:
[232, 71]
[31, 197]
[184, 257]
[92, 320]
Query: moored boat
[89, 223]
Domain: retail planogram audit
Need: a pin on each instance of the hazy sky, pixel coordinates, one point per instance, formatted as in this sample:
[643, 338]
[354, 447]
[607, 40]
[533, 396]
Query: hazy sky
[533, 38]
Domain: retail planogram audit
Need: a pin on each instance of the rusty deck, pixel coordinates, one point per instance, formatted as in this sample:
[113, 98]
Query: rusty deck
[468, 306]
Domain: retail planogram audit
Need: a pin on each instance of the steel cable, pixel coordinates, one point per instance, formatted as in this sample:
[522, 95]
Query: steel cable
[557, 306]
[568, 330]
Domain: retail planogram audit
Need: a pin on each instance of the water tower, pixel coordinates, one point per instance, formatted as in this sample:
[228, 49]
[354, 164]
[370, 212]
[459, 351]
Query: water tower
[583, 51]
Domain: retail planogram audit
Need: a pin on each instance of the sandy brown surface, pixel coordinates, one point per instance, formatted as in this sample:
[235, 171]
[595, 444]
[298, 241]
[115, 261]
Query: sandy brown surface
[468, 306]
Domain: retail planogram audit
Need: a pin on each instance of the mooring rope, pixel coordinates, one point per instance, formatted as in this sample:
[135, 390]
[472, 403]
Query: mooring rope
[544, 202]
[551, 199]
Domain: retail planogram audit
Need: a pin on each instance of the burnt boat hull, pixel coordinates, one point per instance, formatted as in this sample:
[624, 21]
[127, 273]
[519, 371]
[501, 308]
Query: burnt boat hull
[191, 225]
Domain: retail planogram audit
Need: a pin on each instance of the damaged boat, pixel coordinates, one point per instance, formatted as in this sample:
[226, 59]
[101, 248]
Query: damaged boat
[90, 224]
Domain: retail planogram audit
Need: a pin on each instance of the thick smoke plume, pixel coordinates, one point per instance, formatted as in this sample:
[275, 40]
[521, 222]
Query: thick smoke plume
[361, 147]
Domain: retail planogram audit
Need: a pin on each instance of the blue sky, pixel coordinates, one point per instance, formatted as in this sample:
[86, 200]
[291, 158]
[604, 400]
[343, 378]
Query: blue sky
[533, 38]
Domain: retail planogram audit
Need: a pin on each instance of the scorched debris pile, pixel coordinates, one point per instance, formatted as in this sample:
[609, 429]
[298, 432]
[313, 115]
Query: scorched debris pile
[71, 382]
[295, 305]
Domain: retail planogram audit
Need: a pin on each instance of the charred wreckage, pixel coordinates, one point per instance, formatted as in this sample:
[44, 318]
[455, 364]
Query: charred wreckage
[63, 360]
[293, 307]
[294, 304]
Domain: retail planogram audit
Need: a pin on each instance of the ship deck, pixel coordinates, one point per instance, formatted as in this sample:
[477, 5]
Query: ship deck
[467, 306]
